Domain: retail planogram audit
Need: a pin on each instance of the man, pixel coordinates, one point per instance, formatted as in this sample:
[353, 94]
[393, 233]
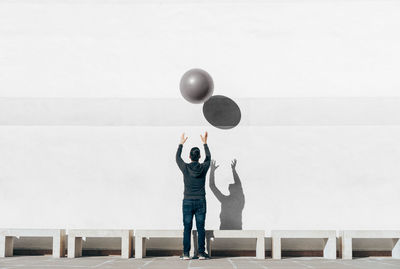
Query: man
[194, 201]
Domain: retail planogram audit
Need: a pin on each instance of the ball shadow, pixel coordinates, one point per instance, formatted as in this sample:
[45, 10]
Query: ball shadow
[222, 112]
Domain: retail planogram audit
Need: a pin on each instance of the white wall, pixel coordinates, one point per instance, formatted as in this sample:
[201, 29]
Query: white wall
[252, 48]
[77, 169]
[293, 177]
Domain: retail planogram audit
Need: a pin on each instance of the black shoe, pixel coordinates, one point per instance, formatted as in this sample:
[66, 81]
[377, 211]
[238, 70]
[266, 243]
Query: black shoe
[203, 256]
[185, 256]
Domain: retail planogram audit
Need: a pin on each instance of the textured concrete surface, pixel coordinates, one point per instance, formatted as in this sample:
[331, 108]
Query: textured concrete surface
[109, 262]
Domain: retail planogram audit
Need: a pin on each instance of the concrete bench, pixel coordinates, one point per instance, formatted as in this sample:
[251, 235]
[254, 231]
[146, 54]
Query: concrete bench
[259, 235]
[347, 240]
[75, 240]
[330, 236]
[7, 239]
[142, 235]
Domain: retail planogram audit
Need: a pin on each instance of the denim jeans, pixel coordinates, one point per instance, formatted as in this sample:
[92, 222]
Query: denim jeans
[198, 208]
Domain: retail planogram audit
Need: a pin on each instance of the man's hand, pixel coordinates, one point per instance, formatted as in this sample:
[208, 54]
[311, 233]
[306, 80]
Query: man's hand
[233, 164]
[204, 138]
[183, 139]
[213, 166]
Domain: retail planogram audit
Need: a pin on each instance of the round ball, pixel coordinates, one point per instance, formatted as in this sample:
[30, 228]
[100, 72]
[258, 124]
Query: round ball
[196, 86]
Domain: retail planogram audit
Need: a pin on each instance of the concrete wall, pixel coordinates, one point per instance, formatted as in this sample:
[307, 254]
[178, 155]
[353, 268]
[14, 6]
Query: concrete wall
[317, 84]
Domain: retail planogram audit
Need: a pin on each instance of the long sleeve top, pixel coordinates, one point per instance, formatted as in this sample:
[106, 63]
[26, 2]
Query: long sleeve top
[194, 174]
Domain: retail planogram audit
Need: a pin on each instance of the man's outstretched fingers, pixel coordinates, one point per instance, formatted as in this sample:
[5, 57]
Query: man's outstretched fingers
[183, 139]
[204, 138]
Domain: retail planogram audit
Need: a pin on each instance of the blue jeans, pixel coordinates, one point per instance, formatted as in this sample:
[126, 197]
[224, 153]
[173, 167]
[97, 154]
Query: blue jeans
[198, 208]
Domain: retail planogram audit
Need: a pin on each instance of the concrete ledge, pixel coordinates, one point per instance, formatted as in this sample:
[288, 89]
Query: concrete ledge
[75, 237]
[348, 235]
[259, 235]
[329, 236]
[142, 235]
[7, 239]
[300, 111]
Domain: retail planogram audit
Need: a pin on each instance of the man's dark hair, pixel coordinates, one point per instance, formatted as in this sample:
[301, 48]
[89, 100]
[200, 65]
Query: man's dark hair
[195, 154]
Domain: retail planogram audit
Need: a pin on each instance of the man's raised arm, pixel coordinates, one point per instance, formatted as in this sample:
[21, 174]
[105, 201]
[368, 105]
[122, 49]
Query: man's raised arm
[179, 161]
[207, 160]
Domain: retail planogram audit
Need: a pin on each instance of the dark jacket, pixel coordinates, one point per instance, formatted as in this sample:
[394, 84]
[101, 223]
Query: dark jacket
[194, 174]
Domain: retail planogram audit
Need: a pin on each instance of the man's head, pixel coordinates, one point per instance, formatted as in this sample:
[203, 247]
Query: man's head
[195, 154]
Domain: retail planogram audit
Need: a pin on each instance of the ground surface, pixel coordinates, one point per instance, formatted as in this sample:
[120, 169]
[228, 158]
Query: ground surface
[45, 262]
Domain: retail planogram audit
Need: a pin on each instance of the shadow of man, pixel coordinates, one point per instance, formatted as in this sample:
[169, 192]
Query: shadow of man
[231, 205]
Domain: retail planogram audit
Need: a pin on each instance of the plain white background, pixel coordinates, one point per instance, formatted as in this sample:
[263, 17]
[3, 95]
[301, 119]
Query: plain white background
[305, 176]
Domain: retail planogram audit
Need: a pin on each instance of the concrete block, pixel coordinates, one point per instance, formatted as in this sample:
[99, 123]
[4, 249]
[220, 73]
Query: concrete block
[348, 235]
[75, 240]
[328, 235]
[142, 235]
[259, 235]
[7, 238]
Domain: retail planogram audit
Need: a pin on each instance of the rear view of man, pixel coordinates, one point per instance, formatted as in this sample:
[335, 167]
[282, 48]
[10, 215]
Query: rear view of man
[194, 201]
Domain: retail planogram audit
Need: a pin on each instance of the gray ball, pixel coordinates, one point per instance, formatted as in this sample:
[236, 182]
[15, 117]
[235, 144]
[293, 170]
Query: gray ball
[196, 86]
